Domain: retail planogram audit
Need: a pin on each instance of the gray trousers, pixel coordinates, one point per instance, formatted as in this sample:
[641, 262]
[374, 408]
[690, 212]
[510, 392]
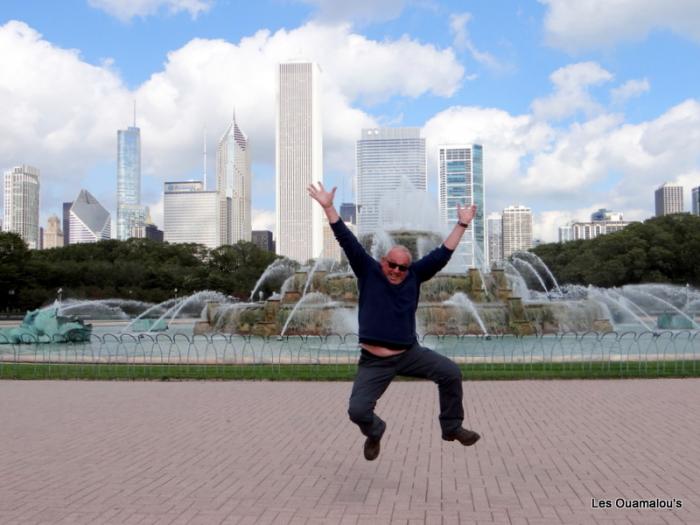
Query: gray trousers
[375, 373]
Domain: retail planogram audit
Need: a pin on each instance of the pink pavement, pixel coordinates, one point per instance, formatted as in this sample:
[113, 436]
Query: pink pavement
[285, 452]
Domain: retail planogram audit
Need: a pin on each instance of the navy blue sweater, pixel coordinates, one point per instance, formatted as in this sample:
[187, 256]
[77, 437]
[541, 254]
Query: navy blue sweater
[387, 312]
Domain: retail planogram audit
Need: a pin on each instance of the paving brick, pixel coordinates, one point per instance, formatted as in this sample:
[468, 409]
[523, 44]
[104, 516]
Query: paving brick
[284, 452]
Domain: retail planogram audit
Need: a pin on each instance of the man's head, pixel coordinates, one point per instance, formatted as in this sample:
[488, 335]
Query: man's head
[395, 264]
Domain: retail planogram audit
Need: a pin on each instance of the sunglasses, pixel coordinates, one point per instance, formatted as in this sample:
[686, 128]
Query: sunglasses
[395, 266]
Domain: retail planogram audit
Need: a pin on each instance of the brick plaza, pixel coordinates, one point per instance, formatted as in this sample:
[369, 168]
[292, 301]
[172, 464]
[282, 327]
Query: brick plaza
[285, 452]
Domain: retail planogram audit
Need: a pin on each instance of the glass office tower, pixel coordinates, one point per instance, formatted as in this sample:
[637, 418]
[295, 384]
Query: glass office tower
[461, 181]
[129, 210]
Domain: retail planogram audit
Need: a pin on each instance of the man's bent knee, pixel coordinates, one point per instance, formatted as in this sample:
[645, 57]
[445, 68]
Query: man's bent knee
[360, 413]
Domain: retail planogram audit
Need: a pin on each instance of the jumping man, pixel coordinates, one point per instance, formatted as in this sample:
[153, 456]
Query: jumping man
[388, 299]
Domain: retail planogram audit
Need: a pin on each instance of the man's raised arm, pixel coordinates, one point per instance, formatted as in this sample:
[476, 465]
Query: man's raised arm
[358, 258]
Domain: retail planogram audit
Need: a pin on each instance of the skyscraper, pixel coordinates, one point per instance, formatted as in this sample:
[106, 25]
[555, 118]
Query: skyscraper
[461, 181]
[22, 204]
[696, 201]
[348, 212]
[494, 232]
[385, 157]
[66, 222]
[190, 214]
[668, 199]
[53, 236]
[517, 230]
[298, 160]
[89, 221]
[233, 182]
[129, 210]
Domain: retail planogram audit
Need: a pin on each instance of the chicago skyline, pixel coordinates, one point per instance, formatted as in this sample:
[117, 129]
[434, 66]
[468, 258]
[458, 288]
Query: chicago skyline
[571, 121]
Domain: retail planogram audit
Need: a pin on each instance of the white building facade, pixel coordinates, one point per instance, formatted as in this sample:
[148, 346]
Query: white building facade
[494, 233]
[517, 230]
[385, 158]
[668, 199]
[89, 220]
[695, 196]
[233, 183]
[298, 161]
[190, 214]
[461, 182]
[21, 204]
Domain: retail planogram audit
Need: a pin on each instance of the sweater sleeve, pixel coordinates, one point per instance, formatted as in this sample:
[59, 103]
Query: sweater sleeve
[358, 258]
[431, 263]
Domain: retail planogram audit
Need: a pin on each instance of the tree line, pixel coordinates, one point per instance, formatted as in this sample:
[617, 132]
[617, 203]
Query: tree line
[138, 269]
[659, 250]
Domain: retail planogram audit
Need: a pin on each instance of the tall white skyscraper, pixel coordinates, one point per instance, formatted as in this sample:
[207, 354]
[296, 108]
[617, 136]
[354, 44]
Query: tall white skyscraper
[494, 232]
[130, 213]
[21, 204]
[233, 182]
[461, 181]
[668, 199]
[385, 157]
[517, 230]
[190, 214]
[695, 206]
[298, 160]
[89, 221]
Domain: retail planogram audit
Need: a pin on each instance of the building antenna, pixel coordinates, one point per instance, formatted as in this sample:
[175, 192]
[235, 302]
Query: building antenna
[134, 112]
[204, 161]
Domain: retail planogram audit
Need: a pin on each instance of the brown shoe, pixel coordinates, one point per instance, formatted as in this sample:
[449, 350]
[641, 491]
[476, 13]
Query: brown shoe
[464, 436]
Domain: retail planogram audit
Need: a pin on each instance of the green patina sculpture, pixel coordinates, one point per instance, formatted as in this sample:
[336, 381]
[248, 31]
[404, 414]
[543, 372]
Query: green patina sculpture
[46, 326]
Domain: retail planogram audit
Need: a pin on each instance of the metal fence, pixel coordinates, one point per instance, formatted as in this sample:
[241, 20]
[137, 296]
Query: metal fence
[126, 355]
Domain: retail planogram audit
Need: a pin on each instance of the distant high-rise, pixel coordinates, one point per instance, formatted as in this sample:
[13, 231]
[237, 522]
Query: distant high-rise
[566, 233]
[517, 230]
[263, 240]
[348, 212]
[494, 233]
[668, 199]
[22, 204]
[696, 201]
[298, 160]
[53, 236]
[385, 157]
[129, 210]
[461, 181]
[147, 230]
[66, 222]
[233, 182]
[602, 222]
[190, 214]
[89, 221]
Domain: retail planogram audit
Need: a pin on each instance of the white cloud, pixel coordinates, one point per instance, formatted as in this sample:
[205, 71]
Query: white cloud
[264, 220]
[571, 95]
[127, 9]
[628, 90]
[594, 24]
[566, 173]
[463, 42]
[362, 11]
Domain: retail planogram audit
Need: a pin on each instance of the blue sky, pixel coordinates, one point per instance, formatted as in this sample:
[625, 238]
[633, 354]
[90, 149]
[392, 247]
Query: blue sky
[578, 105]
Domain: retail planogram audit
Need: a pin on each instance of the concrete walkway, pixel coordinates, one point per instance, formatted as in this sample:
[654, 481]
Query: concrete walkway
[266, 452]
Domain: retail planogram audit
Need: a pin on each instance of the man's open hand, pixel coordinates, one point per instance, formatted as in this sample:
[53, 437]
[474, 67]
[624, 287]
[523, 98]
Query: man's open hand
[320, 195]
